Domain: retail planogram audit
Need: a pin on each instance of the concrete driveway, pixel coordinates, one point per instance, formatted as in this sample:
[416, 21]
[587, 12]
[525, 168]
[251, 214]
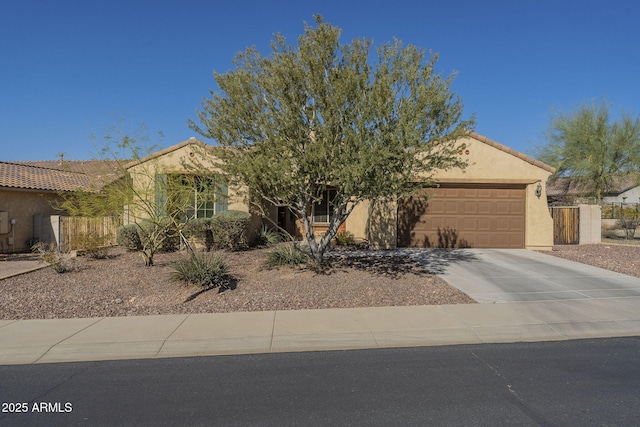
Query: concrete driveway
[517, 275]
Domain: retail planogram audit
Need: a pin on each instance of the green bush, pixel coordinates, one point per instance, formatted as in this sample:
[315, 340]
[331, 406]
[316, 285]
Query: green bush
[345, 238]
[286, 255]
[128, 237]
[200, 230]
[267, 237]
[206, 270]
[230, 230]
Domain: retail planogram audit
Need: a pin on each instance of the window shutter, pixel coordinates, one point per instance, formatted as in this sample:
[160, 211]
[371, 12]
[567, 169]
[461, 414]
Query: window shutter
[160, 193]
[222, 199]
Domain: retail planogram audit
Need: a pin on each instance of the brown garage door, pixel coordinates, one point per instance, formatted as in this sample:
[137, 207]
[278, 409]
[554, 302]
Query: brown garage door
[480, 216]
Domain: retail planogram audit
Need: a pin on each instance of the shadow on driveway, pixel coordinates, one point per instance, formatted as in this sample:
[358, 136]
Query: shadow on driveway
[436, 261]
[431, 261]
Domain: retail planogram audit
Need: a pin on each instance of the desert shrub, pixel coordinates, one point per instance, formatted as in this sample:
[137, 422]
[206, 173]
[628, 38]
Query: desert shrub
[171, 242]
[230, 230]
[617, 211]
[267, 237]
[345, 238]
[92, 244]
[285, 255]
[50, 254]
[628, 225]
[195, 227]
[128, 237]
[206, 270]
[160, 234]
[609, 231]
[199, 229]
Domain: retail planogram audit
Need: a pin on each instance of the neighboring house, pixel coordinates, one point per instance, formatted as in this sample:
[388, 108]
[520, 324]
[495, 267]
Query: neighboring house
[498, 201]
[568, 191]
[29, 190]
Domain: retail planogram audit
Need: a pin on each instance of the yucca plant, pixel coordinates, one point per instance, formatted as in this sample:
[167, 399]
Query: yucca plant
[202, 269]
[268, 237]
[345, 238]
[286, 255]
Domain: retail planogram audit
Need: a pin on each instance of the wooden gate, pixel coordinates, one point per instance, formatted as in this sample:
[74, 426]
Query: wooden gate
[566, 225]
[72, 228]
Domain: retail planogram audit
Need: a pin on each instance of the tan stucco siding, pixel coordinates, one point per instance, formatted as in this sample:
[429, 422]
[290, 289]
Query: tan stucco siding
[22, 205]
[357, 222]
[383, 224]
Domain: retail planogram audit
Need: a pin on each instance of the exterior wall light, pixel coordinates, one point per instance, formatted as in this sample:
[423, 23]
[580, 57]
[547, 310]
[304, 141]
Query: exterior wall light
[539, 190]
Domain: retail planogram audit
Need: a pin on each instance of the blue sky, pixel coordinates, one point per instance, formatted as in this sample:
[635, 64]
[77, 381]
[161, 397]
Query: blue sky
[69, 67]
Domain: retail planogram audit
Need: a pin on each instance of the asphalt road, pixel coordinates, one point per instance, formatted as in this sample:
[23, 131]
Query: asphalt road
[565, 383]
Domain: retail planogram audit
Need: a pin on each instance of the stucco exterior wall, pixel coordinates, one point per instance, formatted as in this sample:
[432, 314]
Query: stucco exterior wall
[590, 231]
[383, 224]
[22, 205]
[357, 223]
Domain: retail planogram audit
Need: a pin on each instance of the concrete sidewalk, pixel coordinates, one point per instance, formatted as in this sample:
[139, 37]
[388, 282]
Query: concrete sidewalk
[19, 266]
[67, 340]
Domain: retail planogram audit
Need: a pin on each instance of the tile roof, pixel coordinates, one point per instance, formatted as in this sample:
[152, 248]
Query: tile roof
[566, 186]
[56, 175]
[98, 168]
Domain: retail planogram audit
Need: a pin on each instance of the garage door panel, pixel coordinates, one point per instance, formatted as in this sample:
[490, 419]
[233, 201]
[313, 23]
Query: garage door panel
[502, 223]
[484, 224]
[468, 223]
[502, 207]
[484, 207]
[517, 208]
[482, 240]
[436, 206]
[474, 216]
[451, 207]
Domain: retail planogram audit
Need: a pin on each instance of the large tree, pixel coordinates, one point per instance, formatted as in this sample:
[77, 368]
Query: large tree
[591, 148]
[328, 115]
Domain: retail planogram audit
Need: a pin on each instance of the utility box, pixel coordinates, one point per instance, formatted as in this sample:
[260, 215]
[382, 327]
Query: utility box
[4, 222]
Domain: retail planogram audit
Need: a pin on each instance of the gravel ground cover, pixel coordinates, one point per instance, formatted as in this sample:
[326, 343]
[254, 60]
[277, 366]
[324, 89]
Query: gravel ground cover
[609, 255]
[122, 286]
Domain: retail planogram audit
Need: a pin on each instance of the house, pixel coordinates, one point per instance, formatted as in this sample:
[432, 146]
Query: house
[498, 201]
[623, 188]
[30, 190]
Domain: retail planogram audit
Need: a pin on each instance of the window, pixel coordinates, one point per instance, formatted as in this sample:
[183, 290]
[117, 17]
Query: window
[203, 203]
[191, 196]
[323, 210]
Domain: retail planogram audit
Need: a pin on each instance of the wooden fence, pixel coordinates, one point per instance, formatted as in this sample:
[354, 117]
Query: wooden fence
[566, 225]
[75, 229]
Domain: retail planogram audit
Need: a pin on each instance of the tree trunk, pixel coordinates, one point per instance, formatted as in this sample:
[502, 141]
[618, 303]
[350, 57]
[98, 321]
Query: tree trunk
[148, 258]
[318, 248]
